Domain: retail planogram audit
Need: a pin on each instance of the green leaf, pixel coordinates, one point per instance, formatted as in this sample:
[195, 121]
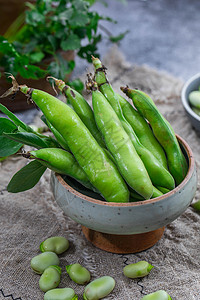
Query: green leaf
[34, 18]
[27, 138]
[65, 15]
[6, 47]
[53, 42]
[27, 70]
[80, 5]
[71, 43]
[7, 146]
[16, 121]
[36, 57]
[119, 37]
[79, 19]
[61, 67]
[26, 178]
[91, 2]
[31, 46]
[77, 85]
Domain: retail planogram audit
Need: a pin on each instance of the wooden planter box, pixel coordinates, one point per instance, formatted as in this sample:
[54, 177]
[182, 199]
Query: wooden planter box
[19, 102]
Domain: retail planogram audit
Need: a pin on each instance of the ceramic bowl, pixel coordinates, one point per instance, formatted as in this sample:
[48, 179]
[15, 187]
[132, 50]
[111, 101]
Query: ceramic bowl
[191, 85]
[89, 209]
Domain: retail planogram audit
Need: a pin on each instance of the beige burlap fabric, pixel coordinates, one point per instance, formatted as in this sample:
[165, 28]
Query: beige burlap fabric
[28, 218]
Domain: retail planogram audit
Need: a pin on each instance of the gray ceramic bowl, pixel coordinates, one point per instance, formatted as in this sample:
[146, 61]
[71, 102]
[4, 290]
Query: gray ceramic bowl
[88, 209]
[191, 85]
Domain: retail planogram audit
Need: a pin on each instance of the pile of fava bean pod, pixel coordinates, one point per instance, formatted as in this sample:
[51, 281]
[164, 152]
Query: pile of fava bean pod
[110, 147]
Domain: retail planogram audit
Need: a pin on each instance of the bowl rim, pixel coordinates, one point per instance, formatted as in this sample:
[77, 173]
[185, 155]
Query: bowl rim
[184, 99]
[144, 202]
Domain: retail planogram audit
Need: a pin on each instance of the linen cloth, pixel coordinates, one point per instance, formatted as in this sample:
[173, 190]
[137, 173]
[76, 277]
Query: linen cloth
[28, 218]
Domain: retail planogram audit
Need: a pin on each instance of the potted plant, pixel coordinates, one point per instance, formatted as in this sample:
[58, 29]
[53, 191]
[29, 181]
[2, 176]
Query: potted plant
[46, 40]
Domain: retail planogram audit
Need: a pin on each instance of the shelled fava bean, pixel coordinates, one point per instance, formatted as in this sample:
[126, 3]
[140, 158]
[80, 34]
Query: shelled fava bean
[61, 294]
[159, 295]
[136, 270]
[194, 98]
[99, 288]
[196, 205]
[44, 260]
[57, 244]
[78, 273]
[50, 279]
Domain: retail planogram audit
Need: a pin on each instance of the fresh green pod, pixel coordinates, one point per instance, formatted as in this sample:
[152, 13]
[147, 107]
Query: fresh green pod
[50, 278]
[120, 146]
[62, 162]
[56, 244]
[194, 98]
[100, 170]
[99, 288]
[82, 108]
[132, 199]
[137, 270]
[60, 294]
[156, 193]
[159, 295]
[163, 190]
[58, 137]
[42, 261]
[136, 197]
[196, 205]
[158, 174]
[142, 130]
[78, 273]
[163, 132]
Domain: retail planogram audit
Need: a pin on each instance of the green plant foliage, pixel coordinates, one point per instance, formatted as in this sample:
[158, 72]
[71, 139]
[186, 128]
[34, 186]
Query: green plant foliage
[26, 178]
[51, 26]
[7, 146]
[27, 138]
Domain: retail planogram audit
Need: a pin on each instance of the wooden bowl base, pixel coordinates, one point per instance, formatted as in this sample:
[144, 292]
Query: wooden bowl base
[123, 243]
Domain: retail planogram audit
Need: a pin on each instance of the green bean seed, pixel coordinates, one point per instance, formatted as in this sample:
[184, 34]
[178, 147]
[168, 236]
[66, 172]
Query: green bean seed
[99, 288]
[159, 295]
[139, 269]
[61, 294]
[194, 98]
[57, 244]
[50, 279]
[196, 205]
[78, 273]
[42, 261]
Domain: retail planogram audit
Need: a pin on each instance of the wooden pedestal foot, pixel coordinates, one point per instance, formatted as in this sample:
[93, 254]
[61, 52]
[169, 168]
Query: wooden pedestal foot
[123, 243]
